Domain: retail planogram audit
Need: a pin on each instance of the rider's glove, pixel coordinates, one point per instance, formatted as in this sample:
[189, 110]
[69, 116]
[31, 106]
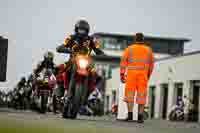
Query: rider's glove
[123, 78]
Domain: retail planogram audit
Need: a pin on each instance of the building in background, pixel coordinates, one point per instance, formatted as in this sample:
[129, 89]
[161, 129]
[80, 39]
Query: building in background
[175, 74]
[114, 45]
[173, 77]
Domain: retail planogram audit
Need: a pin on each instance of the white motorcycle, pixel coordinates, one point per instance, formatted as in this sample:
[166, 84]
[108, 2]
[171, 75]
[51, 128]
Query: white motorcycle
[176, 113]
[93, 107]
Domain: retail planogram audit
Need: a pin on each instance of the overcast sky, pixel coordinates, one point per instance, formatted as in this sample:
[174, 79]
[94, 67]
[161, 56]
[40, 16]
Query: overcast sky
[33, 25]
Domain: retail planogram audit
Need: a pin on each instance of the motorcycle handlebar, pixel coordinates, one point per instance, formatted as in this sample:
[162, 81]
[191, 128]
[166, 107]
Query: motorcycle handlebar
[63, 49]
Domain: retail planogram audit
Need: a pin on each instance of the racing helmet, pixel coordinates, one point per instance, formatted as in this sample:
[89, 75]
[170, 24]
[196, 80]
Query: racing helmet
[49, 55]
[23, 79]
[82, 28]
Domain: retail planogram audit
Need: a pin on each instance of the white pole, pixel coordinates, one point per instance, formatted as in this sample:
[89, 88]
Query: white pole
[122, 108]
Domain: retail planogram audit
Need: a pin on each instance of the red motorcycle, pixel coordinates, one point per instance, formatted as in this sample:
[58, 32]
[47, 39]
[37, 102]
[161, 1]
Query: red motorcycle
[45, 87]
[81, 79]
[79, 86]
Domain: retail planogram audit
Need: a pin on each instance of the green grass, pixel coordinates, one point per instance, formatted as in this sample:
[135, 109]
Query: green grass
[37, 124]
[9, 125]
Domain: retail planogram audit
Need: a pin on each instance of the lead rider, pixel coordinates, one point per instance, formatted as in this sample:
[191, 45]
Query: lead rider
[80, 41]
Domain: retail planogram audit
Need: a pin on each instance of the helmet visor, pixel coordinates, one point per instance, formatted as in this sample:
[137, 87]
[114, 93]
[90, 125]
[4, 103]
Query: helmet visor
[82, 31]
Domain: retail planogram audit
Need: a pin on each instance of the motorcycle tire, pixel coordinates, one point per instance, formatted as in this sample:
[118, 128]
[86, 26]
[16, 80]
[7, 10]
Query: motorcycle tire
[67, 109]
[145, 115]
[97, 109]
[76, 102]
[54, 104]
[72, 108]
[172, 116]
[43, 104]
[181, 117]
[61, 107]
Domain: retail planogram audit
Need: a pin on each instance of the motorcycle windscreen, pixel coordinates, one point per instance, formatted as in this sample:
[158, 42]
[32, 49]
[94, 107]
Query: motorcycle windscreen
[122, 107]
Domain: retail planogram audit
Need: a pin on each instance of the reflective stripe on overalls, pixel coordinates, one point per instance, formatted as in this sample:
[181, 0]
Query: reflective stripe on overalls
[131, 60]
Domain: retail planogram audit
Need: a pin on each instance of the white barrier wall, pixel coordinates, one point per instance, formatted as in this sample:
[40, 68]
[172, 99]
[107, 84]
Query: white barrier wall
[170, 71]
[177, 69]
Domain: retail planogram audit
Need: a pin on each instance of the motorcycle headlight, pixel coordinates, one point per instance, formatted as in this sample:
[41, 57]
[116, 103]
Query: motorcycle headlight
[83, 63]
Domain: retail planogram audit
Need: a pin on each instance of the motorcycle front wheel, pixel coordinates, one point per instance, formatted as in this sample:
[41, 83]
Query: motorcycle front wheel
[72, 106]
[172, 116]
[44, 100]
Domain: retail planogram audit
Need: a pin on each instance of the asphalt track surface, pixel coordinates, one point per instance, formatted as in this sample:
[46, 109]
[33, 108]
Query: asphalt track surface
[12, 121]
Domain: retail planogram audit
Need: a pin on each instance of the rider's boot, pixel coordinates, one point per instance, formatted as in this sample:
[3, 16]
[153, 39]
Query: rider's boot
[140, 118]
[129, 117]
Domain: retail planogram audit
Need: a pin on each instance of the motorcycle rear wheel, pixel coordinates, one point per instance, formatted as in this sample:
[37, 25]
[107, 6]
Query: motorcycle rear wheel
[145, 115]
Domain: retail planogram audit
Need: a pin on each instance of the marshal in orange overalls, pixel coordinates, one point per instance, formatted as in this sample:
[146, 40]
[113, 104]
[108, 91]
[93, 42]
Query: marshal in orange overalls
[137, 65]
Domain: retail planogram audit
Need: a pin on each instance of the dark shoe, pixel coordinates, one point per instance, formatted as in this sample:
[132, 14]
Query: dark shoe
[140, 118]
[130, 116]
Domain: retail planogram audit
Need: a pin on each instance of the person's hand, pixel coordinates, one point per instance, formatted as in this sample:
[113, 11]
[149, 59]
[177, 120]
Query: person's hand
[123, 78]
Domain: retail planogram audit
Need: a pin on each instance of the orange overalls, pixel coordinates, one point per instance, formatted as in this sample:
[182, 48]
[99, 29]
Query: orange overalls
[137, 64]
